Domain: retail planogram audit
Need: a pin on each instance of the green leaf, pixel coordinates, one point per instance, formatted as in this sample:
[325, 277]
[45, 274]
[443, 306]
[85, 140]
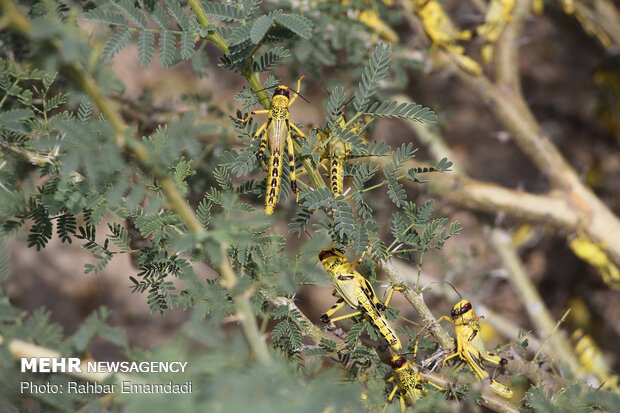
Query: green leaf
[396, 192]
[361, 240]
[223, 178]
[319, 198]
[115, 44]
[186, 22]
[270, 59]
[134, 14]
[223, 11]
[402, 154]
[408, 111]
[299, 222]
[166, 48]
[443, 165]
[204, 212]
[146, 40]
[159, 16]
[107, 16]
[85, 109]
[259, 28]
[344, 224]
[295, 23]
[42, 331]
[373, 74]
[188, 40]
[240, 34]
[13, 120]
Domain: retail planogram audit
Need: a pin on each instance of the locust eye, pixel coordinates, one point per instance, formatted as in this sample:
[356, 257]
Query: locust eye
[281, 90]
[399, 362]
[466, 308]
[454, 313]
[326, 254]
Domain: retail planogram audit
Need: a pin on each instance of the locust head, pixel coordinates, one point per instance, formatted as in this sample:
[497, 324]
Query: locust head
[398, 362]
[462, 313]
[332, 257]
[281, 91]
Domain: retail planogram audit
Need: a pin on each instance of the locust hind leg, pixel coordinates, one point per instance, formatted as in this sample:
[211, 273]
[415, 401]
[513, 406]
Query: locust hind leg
[291, 164]
[264, 141]
[339, 304]
[494, 359]
[475, 364]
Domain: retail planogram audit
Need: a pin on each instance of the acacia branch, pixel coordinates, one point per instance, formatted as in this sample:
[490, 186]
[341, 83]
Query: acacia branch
[561, 349]
[22, 349]
[595, 219]
[418, 303]
[583, 210]
[492, 198]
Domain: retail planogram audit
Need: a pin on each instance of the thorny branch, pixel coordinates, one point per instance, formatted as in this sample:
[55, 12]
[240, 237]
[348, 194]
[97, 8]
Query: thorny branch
[576, 207]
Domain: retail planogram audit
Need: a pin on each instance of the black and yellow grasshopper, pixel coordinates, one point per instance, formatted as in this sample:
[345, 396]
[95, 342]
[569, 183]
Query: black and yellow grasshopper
[276, 134]
[355, 290]
[408, 380]
[336, 152]
[471, 348]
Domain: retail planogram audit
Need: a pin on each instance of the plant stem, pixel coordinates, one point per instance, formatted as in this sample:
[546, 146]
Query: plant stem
[22, 349]
[244, 309]
[561, 349]
[418, 303]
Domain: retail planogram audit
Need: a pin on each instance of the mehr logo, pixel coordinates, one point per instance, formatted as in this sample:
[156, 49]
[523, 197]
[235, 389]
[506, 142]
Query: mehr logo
[51, 365]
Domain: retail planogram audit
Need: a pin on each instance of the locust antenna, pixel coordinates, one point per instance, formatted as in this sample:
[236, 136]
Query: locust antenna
[299, 94]
[454, 288]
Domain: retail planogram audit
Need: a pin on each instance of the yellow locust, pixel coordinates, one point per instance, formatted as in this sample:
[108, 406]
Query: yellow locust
[592, 360]
[445, 34]
[355, 290]
[276, 133]
[497, 16]
[408, 381]
[471, 348]
[336, 152]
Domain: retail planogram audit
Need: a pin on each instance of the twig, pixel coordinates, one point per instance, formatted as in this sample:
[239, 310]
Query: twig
[22, 349]
[492, 198]
[24, 154]
[534, 304]
[418, 303]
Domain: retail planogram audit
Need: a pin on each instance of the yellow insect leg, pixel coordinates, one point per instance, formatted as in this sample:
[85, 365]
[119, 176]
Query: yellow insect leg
[339, 304]
[343, 317]
[291, 165]
[296, 129]
[264, 141]
[492, 358]
[254, 112]
[274, 176]
[305, 75]
[475, 364]
[389, 297]
[449, 357]
[443, 317]
[500, 389]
